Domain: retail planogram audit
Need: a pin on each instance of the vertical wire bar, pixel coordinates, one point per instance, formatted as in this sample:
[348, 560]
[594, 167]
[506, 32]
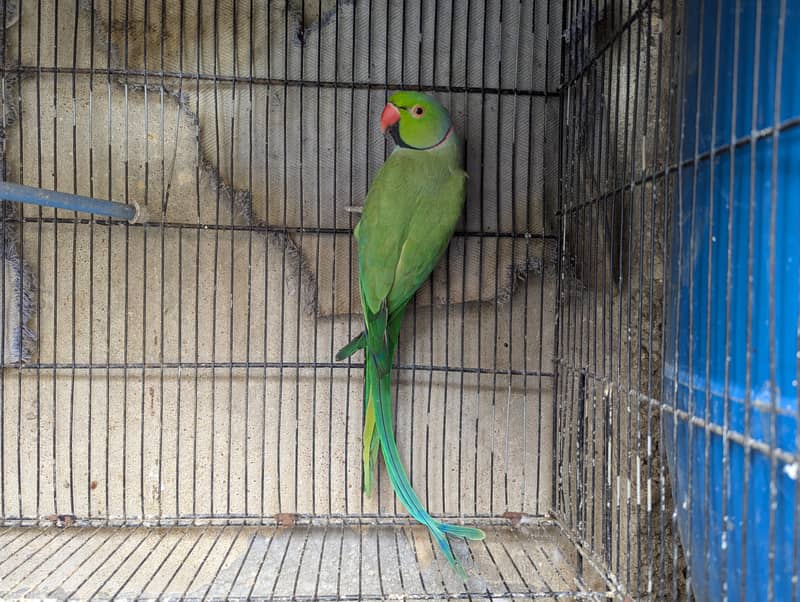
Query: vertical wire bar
[773, 346]
[563, 308]
[90, 397]
[617, 204]
[396, 531]
[327, 522]
[528, 227]
[299, 279]
[511, 313]
[414, 318]
[164, 201]
[265, 333]
[583, 259]
[318, 203]
[335, 202]
[650, 390]
[692, 407]
[481, 253]
[109, 242]
[282, 339]
[280, 565]
[696, 164]
[462, 330]
[349, 263]
[640, 529]
[213, 580]
[396, 399]
[164, 558]
[215, 286]
[624, 251]
[498, 196]
[127, 287]
[341, 534]
[46, 576]
[726, 469]
[431, 323]
[232, 260]
[38, 254]
[669, 157]
[241, 561]
[540, 358]
[179, 376]
[446, 259]
[202, 563]
[74, 263]
[251, 70]
[555, 471]
[596, 259]
[198, 232]
[138, 567]
[617, 228]
[379, 567]
[567, 409]
[749, 353]
[261, 563]
[22, 264]
[111, 574]
[144, 268]
[678, 226]
[131, 532]
[607, 350]
[711, 238]
[580, 343]
[54, 413]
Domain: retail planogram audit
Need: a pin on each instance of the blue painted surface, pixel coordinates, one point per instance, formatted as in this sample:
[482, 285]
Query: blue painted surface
[720, 234]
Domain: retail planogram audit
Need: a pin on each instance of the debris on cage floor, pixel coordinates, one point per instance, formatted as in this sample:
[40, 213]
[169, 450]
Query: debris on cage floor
[325, 559]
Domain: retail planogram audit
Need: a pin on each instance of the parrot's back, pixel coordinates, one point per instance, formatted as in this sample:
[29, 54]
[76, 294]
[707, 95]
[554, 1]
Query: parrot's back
[409, 216]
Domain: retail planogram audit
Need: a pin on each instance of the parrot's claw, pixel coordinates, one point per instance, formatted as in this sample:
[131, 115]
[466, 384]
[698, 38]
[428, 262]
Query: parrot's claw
[353, 209]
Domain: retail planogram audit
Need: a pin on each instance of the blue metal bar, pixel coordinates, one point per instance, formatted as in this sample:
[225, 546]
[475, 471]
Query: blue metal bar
[63, 200]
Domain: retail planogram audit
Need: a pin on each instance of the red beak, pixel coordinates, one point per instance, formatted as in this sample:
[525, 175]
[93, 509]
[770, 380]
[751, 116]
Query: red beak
[389, 117]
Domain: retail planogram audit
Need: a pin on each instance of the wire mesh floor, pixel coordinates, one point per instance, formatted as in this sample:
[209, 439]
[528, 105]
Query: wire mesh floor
[334, 560]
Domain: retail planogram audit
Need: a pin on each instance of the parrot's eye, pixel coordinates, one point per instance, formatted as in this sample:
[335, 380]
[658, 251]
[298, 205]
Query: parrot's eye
[417, 111]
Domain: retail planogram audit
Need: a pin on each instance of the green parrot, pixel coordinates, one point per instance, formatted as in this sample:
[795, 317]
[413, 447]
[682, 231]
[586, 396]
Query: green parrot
[408, 218]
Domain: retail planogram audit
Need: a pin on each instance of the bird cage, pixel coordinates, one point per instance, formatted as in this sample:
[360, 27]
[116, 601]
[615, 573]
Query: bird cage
[600, 373]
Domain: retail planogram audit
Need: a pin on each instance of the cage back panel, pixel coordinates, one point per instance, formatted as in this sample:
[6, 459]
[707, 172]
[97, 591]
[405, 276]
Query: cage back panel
[184, 367]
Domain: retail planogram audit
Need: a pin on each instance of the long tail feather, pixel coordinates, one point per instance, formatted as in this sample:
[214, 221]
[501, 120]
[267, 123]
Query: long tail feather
[380, 399]
[370, 439]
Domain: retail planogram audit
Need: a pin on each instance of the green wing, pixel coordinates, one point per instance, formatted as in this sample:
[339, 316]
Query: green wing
[409, 216]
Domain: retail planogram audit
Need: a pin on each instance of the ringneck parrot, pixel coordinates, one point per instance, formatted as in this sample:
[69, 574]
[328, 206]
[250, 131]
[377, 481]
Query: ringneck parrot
[408, 218]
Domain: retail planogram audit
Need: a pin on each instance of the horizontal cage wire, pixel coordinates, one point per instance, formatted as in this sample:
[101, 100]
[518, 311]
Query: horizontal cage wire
[600, 373]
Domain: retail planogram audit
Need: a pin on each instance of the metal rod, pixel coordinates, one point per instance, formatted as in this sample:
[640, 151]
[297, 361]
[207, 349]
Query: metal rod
[63, 200]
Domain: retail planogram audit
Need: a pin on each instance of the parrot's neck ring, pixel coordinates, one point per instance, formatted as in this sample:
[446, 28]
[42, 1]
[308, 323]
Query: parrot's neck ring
[395, 132]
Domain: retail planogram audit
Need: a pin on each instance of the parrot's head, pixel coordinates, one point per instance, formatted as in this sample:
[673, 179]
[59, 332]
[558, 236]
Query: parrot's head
[415, 120]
